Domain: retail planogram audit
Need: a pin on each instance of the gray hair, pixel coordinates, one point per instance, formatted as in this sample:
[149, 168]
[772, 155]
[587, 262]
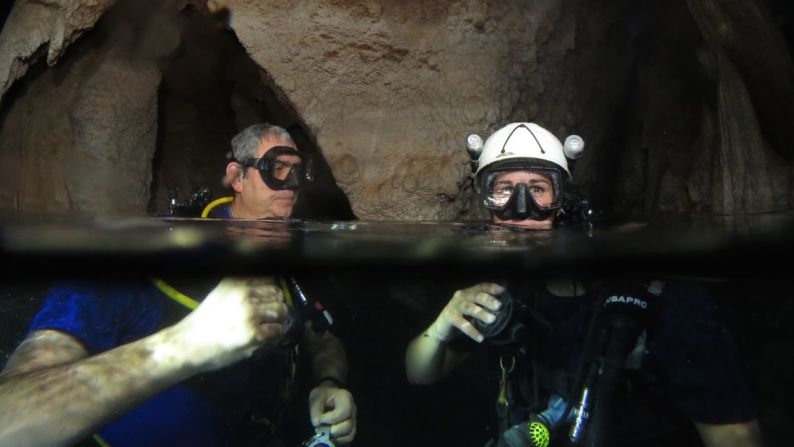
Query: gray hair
[246, 142]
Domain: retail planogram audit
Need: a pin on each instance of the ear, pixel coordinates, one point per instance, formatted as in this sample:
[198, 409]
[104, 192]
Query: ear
[234, 176]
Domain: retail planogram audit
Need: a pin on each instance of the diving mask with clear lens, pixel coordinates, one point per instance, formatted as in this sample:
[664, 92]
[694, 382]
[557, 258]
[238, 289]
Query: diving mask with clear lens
[282, 167]
[522, 190]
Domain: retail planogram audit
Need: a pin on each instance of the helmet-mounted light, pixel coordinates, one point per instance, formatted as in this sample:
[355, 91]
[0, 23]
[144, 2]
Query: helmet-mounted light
[474, 145]
[573, 147]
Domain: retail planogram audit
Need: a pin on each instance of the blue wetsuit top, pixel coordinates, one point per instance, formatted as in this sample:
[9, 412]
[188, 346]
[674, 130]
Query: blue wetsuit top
[221, 212]
[103, 315]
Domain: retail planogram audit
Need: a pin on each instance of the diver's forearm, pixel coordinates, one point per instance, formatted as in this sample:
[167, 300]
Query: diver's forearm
[327, 357]
[429, 358]
[63, 404]
[744, 434]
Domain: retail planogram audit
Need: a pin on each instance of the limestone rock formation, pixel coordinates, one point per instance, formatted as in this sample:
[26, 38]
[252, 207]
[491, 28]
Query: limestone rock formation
[384, 92]
[43, 28]
[391, 89]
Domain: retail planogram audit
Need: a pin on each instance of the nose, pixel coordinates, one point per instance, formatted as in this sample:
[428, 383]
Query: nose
[521, 200]
[292, 180]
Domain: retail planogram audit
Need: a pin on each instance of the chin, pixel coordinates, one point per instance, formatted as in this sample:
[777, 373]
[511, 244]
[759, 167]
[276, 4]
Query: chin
[282, 211]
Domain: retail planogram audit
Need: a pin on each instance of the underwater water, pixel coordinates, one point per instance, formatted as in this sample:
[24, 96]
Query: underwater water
[385, 282]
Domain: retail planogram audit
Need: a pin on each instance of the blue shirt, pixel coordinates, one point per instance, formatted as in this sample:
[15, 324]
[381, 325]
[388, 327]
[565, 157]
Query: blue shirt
[103, 315]
[222, 212]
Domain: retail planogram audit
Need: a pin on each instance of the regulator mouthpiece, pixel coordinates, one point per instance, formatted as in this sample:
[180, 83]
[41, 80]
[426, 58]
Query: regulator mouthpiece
[573, 147]
[474, 145]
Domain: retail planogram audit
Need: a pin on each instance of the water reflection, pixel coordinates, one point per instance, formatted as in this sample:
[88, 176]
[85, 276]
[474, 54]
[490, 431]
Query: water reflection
[385, 283]
[693, 247]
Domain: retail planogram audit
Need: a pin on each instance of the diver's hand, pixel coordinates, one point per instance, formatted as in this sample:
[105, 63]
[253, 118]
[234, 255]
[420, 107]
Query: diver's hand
[333, 406]
[478, 301]
[238, 316]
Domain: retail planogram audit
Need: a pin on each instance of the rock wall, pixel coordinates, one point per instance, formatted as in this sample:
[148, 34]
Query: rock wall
[385, 92]
[391, 89]
[43, 28]
[81, 138]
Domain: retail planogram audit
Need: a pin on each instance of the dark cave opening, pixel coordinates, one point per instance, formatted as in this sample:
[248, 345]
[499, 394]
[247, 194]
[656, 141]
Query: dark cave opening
[783, 14]
[658, 153]
[210, 90]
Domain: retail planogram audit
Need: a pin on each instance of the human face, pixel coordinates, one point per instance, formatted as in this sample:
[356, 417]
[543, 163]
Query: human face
[254, 199]
[540, 188]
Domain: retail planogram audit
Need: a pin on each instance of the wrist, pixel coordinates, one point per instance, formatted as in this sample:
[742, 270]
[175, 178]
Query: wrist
[194, 349]
[330, 381]
[168, 350]
[437, 335]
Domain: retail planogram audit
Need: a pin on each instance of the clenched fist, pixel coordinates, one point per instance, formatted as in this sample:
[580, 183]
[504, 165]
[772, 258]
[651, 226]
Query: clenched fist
[238, 316]
[478, 302]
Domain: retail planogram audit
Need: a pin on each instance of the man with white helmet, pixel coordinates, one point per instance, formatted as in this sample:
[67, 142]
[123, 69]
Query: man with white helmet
[681, 353]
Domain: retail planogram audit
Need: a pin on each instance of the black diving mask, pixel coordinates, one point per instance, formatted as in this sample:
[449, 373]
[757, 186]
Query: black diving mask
[282, 167]
[519, 191]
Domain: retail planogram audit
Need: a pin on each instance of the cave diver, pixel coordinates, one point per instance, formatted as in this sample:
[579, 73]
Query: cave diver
[571, 352]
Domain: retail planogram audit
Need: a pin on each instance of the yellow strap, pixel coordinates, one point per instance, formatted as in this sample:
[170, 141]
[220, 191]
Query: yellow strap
[190, 303]
[100, 440]
[285, 290]
[502, 398]
[174, 294]
[288, 299]
[217, 202]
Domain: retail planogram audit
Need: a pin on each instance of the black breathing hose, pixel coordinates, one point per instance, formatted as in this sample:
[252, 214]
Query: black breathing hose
[622, 332]
[622, 320]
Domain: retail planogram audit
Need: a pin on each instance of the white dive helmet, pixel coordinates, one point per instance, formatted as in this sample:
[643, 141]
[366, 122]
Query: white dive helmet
[520, 141]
